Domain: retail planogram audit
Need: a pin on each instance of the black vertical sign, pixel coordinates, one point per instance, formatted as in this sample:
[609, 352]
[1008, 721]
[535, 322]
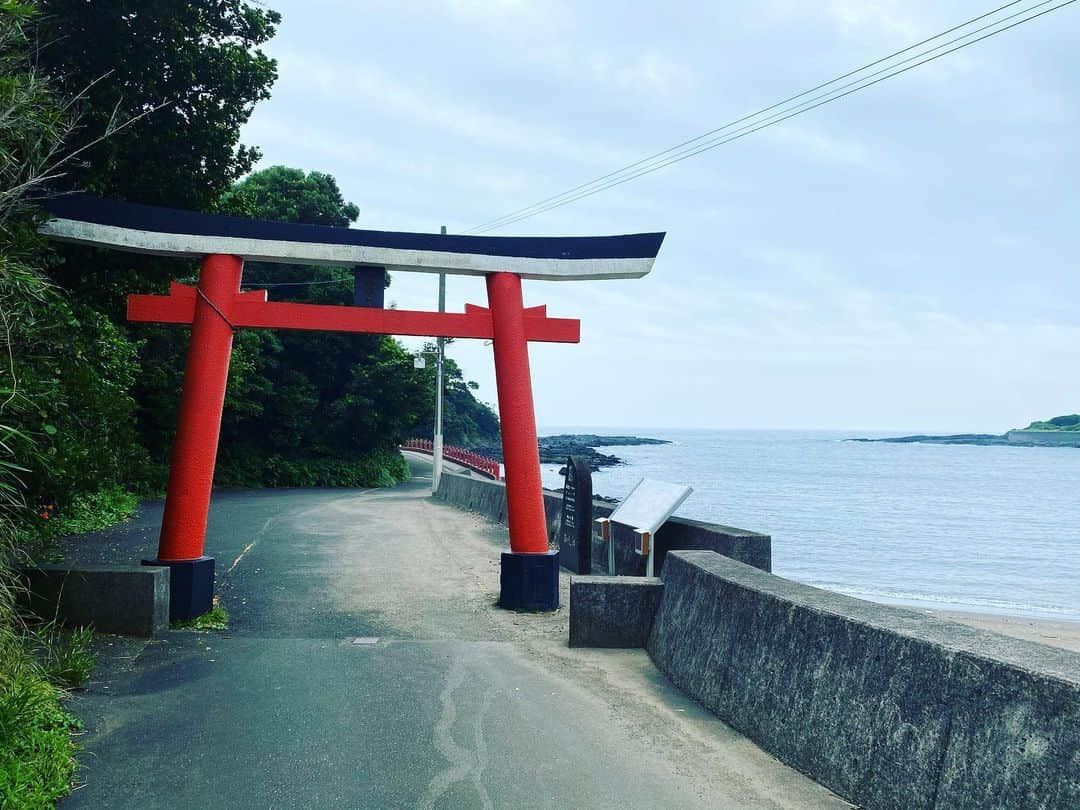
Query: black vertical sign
[575, 540]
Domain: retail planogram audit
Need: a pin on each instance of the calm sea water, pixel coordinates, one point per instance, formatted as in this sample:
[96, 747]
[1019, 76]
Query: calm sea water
[991, 529]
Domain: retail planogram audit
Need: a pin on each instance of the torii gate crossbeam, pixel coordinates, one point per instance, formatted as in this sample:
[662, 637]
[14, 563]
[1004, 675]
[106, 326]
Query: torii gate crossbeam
[216, 307]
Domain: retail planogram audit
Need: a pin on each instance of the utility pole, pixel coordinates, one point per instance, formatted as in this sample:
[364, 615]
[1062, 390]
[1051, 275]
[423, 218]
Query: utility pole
[440, 342]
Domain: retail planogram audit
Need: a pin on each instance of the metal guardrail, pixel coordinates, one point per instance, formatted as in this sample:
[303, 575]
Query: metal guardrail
[466, 458]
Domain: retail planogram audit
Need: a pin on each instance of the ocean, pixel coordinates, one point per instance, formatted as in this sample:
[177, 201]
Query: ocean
[984, 529]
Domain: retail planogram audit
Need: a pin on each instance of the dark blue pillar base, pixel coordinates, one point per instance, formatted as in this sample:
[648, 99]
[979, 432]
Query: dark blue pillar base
[191, 586]
[529, 581]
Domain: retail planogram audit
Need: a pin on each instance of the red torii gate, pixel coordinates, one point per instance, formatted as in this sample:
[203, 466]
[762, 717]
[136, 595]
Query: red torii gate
[217, 306]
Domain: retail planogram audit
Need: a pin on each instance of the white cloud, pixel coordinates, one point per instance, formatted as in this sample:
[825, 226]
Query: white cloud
[279, 136]
[365, 86]
[654, 73]
[893, 20]
[810, 142]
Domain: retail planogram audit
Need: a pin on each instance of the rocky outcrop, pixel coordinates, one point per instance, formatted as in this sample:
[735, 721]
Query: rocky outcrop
[555, 449]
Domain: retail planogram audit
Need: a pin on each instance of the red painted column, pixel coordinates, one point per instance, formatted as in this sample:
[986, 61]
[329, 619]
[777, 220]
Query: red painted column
[524, 497]
[191, 471]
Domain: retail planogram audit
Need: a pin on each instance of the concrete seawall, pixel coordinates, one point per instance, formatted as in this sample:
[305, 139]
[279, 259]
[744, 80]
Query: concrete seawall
[489, 499]
[888, 707]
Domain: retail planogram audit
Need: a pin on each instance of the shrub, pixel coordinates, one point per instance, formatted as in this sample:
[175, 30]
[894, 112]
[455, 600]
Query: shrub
[85, 512]
[36, 750]
[378, 468]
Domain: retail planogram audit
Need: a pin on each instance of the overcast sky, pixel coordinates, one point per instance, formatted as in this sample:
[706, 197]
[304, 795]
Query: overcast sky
[903, 259]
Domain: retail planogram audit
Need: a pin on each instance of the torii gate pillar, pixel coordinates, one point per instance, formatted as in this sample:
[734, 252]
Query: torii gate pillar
[198, 428]
[529, 577]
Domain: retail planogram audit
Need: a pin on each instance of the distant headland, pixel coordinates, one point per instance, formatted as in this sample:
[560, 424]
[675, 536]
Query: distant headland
[1060, 431]
[555, 449]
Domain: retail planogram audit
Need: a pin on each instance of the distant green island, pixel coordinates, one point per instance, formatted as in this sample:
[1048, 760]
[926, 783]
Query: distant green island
[1060, 431]
[1070, 422]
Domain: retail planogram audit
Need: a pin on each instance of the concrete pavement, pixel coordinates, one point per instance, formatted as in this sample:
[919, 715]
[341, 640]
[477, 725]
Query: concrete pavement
[366, 666]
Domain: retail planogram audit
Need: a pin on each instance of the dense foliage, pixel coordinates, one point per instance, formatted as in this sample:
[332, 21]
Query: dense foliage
[198, 60]
[317, 401]
[36, 762]
[1068, 422]
[170, 83]
[185, 75]
[466, 422]
[143, 100]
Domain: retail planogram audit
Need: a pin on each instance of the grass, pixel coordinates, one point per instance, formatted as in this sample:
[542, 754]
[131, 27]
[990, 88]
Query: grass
[36, 750]
[217, 618]
[87, 512]
[63, 654]
[38, 665]
[37, 753]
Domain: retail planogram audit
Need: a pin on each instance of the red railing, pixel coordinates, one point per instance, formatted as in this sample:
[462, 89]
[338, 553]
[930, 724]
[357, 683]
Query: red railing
[466, 458]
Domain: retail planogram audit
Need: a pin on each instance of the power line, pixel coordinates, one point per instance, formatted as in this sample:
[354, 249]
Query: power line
[746, 117]
[790, 112]
[704, 142]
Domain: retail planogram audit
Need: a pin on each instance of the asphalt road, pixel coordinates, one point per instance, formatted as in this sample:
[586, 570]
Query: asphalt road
[366, 666]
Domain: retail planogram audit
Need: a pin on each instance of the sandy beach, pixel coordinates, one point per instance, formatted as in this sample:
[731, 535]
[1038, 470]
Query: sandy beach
[1045, 631]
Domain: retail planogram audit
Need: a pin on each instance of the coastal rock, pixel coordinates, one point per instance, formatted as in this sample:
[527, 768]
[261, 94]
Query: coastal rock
[1014, 438]
[1059, 431]
[960, 438]
[555, 449]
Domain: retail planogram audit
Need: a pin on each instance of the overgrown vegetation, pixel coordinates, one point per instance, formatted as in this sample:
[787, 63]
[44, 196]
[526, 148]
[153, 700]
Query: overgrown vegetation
[143, 100]
[64, 655]
[36, 751]
[150, 96]
[217, 618]
[1069, 422]
[36, 664]
[84, 512]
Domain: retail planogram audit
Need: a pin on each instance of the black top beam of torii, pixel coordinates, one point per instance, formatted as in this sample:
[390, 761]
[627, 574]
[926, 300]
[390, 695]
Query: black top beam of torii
[128, 226]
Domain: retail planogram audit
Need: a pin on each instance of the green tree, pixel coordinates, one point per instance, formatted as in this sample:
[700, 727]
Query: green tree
[64, 398]
[194, 71]
[289, 195]
[43, 343]
[198, 66]
[467, 422]
[201, 59]
[304, 406]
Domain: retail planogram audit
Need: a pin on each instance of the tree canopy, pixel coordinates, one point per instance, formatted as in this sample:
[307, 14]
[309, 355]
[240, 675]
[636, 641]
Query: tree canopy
[143, 100]
[179, 78]
[289, 195]
[198, 62]
[320, 396]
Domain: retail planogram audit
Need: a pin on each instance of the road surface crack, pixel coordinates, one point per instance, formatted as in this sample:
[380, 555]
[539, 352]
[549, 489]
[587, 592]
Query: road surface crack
[464, 764]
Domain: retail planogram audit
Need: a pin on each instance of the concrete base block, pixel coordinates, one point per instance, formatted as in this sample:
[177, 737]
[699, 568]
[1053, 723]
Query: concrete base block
[129, 601]
[529, 581]
[612, 611]
[191, 586]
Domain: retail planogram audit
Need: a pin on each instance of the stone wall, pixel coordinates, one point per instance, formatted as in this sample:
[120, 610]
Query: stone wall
[489, 499]
[889, 708]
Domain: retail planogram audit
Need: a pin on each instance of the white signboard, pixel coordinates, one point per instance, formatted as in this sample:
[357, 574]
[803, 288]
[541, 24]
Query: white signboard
[649, 504]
